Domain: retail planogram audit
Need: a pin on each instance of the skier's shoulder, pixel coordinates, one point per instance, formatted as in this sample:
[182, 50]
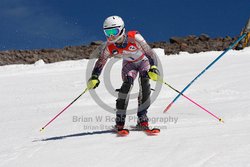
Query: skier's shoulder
[109, 46]
[132, 33]
[135, 35]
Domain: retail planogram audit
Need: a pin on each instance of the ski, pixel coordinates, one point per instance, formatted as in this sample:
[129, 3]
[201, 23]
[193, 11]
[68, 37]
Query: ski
[152, 132]
[147, 131]
[122, 133]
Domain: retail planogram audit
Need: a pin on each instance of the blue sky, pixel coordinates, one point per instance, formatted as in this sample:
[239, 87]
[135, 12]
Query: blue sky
[34, 24]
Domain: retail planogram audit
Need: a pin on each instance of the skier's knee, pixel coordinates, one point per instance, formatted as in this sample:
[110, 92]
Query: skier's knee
[123, 95]
[129, 80]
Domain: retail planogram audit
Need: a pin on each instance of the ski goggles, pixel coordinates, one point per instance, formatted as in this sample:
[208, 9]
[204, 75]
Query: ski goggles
[112, 32]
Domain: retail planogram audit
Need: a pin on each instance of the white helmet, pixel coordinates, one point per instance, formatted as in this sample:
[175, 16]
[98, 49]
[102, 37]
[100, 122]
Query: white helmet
[113, 28]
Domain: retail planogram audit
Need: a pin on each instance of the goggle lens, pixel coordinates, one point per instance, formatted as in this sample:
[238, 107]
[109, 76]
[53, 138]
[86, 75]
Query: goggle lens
[111, 32]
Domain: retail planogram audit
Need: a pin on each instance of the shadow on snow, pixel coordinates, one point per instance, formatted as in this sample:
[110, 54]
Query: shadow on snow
[75, 135]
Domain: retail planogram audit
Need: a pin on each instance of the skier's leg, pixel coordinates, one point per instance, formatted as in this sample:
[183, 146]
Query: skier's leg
[144, 94]
[143, 99]
[128, 75]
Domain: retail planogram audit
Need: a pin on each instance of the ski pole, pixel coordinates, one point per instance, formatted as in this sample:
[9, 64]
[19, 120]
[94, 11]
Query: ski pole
[63, 110]
[160, 80]
[229, 48]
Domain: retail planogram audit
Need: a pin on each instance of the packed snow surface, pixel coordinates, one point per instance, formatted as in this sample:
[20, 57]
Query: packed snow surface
[31, 95]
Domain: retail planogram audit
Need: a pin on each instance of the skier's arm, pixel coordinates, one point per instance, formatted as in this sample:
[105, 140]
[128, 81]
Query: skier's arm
[100, 63]
[151, 55]
[93, 81]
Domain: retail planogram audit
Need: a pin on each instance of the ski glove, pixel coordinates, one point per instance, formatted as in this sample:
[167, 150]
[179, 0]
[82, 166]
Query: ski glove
[93, 82]
[154, 73]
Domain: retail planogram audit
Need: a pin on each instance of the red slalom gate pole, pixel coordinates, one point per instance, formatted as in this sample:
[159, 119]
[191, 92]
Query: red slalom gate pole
[63, 110]
[216, 117]
[203, 108]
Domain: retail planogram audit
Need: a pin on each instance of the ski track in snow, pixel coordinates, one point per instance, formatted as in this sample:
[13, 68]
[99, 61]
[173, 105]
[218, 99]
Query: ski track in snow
[31, 95]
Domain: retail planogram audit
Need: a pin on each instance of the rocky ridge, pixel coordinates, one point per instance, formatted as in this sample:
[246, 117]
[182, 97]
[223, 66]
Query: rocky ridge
[191, 44]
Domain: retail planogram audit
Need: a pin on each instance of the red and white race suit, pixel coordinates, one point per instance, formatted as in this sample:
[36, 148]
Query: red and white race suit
[136, 54]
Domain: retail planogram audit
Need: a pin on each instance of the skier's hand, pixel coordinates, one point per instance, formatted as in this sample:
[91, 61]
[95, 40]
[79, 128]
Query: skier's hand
[154, 73]
[93, 82]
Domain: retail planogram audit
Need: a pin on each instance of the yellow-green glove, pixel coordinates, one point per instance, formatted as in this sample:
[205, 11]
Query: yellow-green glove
[153, 73]
[93, 82]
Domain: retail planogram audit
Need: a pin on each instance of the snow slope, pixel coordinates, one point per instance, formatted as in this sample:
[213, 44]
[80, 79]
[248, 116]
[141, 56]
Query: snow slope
[30, 95]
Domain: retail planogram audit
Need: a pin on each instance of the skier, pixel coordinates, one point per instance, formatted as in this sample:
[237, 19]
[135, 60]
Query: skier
[137, 57]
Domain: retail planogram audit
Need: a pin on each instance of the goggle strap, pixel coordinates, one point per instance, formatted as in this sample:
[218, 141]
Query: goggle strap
[111, 27]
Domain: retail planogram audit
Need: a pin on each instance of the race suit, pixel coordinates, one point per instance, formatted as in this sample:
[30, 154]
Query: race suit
[137, 58]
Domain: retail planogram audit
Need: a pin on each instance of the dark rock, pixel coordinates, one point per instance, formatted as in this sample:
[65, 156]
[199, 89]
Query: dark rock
[191, 44]
[96, 43]
[204, 37]
[178, 40]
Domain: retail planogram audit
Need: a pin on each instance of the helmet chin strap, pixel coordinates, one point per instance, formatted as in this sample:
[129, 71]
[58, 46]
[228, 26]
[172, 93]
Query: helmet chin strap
[117, 39]
[121, 39]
